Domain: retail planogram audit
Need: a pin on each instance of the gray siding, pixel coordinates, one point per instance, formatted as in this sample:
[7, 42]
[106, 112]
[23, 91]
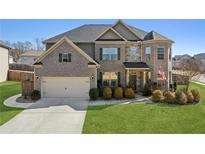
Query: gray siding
[109, 35]
[122, 30]
[88, 48]
[48, 45]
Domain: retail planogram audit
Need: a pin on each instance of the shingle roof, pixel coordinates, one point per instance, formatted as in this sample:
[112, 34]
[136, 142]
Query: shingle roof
[85, 33]
[155, 36]
[32, 53]
[140, 33]
[89, 33]
[4, 46]
[135, 65]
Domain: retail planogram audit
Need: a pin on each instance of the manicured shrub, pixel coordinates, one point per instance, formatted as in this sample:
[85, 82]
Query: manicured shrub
[190, 97]
[94, 93]
[118, 93]
[196, 95]
[169, 97]
[157, 96]
[129, 93]
[181, 98]
[147, 91]
[35, 95]
[107, 93]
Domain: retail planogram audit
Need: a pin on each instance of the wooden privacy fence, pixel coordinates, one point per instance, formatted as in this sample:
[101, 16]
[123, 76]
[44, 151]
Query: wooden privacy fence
[26, 78]
[21, 67]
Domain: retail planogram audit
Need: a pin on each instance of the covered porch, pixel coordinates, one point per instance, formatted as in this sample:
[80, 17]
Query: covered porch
[137, 73]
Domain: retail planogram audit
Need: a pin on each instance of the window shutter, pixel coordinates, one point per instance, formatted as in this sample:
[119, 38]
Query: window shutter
[118, 53]
[69, 57]
[101, 53]
[60, 57]
[118, 78]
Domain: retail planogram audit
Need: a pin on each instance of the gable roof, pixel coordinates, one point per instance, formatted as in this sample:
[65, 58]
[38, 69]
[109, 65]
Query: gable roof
[32, 53]
[90, 32]
[114, 31]
[125, 25]
[85, 33]
[65, 39]
[155, 36]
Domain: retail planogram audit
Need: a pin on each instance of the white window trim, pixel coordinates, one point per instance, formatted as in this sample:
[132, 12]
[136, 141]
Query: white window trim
[110, 59]
[164, 52]
[137, 56]
[150, 50]
[67, 53]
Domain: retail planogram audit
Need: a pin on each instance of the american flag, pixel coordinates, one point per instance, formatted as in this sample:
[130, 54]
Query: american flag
[161, 75]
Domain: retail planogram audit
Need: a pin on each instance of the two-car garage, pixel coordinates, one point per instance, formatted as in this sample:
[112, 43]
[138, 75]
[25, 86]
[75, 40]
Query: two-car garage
[72, 87]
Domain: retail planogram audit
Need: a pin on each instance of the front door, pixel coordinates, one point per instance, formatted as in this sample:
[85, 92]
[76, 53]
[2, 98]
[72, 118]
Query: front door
[133, 81]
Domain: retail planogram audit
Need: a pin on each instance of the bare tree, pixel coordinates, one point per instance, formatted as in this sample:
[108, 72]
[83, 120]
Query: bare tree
[190, 68]
[20, 47]
[38, 44]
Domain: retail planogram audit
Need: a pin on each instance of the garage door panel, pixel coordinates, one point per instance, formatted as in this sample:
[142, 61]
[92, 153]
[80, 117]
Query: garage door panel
[66, 87]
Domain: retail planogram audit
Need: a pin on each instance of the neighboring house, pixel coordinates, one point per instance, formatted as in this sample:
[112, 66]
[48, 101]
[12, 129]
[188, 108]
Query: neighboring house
[180, 60]
[11, 60]
[29, 57]
[201, 58]
[4, 62]
[101, 55]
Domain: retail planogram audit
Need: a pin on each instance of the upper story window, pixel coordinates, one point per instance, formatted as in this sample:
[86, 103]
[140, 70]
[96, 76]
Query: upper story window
[134, 53]
[148, 50]
[64, 57]
[110, 54]
[147, 53]
[160, 53]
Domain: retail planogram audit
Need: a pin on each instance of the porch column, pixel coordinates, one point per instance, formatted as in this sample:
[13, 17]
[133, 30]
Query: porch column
[127, 77]
[144, 77]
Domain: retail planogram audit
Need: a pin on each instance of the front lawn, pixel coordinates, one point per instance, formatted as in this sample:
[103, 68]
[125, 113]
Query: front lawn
[155, 118]
[8, 89]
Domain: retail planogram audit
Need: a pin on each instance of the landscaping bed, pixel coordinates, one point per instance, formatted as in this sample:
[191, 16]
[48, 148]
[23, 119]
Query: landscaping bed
[155, 118]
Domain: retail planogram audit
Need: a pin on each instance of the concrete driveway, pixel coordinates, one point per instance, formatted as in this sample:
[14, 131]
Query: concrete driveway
[49, 116]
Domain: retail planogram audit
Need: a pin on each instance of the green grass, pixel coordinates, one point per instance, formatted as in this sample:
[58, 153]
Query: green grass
[155, 118]
[8, 89]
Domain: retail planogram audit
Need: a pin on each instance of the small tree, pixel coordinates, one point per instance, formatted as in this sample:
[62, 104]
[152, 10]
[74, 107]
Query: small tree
[190, 68]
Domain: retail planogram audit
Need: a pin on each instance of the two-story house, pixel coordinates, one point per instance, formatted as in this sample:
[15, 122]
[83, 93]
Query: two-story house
[103, 55]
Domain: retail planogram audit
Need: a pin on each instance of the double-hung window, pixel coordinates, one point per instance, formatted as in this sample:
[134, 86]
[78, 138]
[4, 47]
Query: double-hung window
[109, 53]
[148, 51]
[64, 57]
[110, 79]
[160, 53]
[134, 55]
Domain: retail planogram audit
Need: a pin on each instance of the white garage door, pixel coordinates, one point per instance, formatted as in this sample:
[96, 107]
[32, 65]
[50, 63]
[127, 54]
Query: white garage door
[74, 87]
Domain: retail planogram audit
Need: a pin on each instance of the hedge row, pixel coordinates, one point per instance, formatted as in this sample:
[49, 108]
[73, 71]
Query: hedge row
[178, 97]
[108, 93]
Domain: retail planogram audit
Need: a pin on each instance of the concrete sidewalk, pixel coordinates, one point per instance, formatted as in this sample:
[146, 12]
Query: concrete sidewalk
[11, 102]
